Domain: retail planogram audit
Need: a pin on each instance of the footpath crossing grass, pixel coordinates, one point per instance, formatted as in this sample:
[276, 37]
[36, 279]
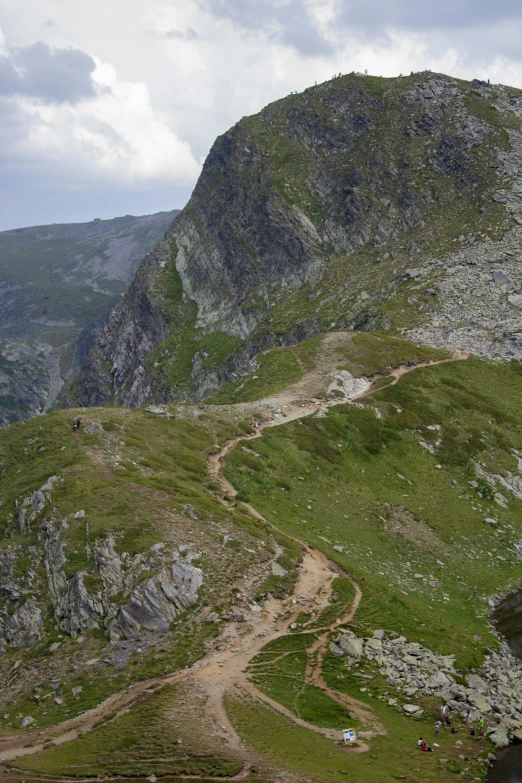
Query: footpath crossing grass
[407, 484]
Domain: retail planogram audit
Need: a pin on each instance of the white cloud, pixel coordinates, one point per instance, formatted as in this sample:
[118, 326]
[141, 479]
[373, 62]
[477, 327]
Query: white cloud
[172, 76]
[114, 136]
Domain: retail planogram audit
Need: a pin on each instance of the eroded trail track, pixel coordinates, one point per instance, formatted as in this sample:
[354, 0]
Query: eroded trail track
[312, 591]
[224, 671]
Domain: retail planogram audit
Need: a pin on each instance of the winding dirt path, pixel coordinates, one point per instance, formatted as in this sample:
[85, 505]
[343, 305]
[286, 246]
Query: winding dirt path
[315, 594]
[224, 671]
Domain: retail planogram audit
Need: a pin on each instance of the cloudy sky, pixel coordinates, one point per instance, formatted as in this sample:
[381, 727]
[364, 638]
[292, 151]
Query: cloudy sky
[109, 108]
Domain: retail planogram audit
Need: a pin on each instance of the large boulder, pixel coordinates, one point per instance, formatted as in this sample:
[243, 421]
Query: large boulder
[350, 644]
[500, 738]
[479, 701]
[438, 680]
[412, 709]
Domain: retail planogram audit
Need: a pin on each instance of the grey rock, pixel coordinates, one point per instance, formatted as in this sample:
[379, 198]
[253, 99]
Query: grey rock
[278, 570]
[27, 721]
[350, 644]
[109, 565]
[500, 738]
[412, 709]
[501, 279]
[155, 603]
[438, 680]
[24, 627]
[94, 428]
[188, 510]
[479, 701]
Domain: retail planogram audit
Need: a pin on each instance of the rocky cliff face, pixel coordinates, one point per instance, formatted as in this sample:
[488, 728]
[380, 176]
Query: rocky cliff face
[342, 206]
[57, 286]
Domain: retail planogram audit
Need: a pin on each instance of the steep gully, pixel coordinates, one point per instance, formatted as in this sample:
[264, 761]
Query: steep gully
[224, 671]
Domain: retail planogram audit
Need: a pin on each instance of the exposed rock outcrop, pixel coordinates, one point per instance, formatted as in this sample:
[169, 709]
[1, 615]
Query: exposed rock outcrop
[127, 596]
[494, 691]
[292, 212]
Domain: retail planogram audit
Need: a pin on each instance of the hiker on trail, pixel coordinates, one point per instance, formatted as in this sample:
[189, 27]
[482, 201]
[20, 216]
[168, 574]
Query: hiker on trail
[74, 426]
[437, 728]
[78, 424]
[481, 723]
[443, 710]
[447, 721]
[467, 718]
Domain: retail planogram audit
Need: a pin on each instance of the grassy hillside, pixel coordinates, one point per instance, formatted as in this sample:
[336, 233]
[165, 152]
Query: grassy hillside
[143, 480]
[410, 484]
[370, 485]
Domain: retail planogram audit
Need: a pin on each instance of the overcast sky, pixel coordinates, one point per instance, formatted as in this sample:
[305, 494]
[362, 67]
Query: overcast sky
[109, 107]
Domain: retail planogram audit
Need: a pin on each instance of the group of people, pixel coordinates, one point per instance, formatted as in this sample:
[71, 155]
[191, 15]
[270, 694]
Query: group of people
[446, 722]
[410, 365]
[254, 423]
[76, 425]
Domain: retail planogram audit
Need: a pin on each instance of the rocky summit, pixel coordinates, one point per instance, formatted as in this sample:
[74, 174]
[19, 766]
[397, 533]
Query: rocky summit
[361, 203]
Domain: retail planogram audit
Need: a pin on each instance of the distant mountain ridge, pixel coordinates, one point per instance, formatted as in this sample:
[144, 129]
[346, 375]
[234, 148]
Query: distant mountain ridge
[57, 285]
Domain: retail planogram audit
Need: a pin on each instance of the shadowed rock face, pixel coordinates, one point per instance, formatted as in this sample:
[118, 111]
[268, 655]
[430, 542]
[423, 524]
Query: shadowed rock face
[294, 209]
[58, 284]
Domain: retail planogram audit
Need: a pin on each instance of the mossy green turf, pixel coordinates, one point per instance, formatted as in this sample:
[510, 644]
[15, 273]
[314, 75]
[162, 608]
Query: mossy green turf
[398, 510]
[353, 463]
[279, 671]
[390, 758]
[412, 526]
[142, 742]
[276, 370]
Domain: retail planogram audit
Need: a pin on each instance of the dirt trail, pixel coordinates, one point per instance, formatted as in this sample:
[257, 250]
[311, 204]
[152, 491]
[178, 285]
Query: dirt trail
[315, 594]
[94, 457]
[221, 672]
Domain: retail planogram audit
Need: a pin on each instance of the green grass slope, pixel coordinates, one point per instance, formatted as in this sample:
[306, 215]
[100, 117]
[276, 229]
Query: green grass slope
[134, 478]
[411, 483]
[361, 478]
